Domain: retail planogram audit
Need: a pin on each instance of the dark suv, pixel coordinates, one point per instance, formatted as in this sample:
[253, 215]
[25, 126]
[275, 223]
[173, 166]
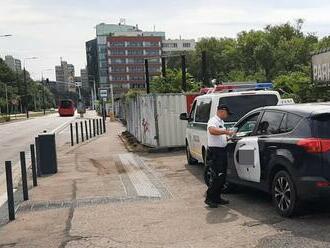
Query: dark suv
[283, 150]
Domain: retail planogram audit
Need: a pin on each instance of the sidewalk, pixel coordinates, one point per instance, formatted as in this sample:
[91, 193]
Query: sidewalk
[104, 196]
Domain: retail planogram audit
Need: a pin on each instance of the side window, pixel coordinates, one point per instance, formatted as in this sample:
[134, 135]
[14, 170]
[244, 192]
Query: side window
[192, 111]
[246, 127]
[203, 111]
[290, 121]
[270, 123]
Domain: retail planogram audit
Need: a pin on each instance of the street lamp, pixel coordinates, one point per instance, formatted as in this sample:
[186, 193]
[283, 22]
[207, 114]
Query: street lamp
[5, 35]
[25, 86]
[43, 89]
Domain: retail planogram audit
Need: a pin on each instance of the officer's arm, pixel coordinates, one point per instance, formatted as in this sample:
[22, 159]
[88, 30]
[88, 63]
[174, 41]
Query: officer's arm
[218, 131]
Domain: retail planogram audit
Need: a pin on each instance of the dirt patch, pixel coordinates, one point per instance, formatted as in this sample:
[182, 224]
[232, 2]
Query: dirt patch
[101, 170]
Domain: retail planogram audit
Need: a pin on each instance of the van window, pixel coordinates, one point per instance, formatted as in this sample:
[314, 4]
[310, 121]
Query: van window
[203, 110]
[240, 105]
[270, 123]
[290, 121]
[192, 111]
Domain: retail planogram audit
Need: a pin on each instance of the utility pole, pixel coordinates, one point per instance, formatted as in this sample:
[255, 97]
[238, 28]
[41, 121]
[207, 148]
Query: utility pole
[164, 67]
[146, 66]
[183, 69]
[26, 103]
[7, 98]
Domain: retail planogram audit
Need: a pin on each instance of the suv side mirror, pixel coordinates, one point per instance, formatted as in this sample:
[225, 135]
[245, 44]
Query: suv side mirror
[184, 117]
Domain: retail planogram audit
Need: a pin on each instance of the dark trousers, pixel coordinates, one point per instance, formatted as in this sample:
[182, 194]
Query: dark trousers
[217, 160]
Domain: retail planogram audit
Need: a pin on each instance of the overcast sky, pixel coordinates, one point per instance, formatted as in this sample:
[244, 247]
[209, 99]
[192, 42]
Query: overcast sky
[59, 28]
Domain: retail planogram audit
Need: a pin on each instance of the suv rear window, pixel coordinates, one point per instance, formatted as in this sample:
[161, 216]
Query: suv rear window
[66, 104]
[321, 126]
[242, 104]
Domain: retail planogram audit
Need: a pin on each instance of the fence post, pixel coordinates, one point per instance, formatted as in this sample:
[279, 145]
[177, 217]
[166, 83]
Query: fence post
[86, 130]
[94, 127]
[33, 165]
[97, 127]
[104, 128]
[71, 133]
[10, 192]
[24, 177]
[100, 124]
[90, 128]
[38, 156]
[77, 133]
[82, 131]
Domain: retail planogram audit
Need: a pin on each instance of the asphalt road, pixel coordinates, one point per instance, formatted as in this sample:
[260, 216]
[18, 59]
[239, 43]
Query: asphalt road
[17, 136]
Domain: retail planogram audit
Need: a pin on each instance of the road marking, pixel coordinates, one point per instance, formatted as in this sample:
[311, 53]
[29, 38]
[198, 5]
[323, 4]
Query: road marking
[140, 181]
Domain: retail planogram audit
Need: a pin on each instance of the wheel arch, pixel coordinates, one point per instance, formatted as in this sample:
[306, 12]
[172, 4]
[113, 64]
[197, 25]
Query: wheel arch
[277, 165]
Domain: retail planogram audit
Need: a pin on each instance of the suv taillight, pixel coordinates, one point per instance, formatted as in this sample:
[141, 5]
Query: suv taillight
[315, 145]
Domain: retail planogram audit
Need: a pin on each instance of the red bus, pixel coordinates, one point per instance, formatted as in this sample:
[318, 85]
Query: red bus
[66, 108]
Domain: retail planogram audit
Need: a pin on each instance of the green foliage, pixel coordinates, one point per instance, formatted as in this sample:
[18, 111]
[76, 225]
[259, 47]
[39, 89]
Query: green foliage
[16, 92]
[172, 83]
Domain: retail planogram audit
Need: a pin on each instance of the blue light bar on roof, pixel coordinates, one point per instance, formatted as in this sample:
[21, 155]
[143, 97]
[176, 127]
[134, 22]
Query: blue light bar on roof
[264, 86]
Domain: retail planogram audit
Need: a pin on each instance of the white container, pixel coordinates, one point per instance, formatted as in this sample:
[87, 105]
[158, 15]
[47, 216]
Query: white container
[154, 119]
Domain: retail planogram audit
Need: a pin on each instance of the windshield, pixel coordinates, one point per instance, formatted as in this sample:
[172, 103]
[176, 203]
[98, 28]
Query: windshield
[66, 104]
[242, 104]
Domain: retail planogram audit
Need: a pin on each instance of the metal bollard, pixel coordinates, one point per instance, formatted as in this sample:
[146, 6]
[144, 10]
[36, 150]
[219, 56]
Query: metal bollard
[97, 127]
[86, 129]
[82, 131]
[71, 133]
[24, 177]
[10, 192]
[104, 119]
[33, 165]
[77, 133]
[37, 156]
[90, 128]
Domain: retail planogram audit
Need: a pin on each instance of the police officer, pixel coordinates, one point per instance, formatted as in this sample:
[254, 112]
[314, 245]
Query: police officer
[217, 156]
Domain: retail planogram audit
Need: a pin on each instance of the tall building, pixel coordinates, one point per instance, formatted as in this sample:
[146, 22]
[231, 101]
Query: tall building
[102, 32]
[92, 61]
[14, 64]
[64, 72]
[84, 78]
[126, 59]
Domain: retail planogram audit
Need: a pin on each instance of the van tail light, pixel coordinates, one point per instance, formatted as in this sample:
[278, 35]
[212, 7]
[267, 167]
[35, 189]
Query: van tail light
[315, 145]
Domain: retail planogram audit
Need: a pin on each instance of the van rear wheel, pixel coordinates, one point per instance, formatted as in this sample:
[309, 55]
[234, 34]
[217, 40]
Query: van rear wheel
[190, 159]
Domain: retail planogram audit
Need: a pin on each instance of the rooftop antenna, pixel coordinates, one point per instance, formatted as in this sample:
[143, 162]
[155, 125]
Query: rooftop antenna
[154, 28]
[122, 21]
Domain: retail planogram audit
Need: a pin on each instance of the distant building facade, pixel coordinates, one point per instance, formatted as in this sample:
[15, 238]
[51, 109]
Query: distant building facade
[65, 73]
[126, 59]
[14, 64]
[92, 61]
[84, 79]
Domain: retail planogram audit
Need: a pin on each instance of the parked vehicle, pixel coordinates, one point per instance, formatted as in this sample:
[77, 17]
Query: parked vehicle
[204, 107]
[66, 108]
[285, 151]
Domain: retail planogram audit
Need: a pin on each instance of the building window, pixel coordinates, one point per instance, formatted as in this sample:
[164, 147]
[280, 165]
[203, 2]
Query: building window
[117, 44]
[118, 69]
[136, 69]
[135, 61]
[135, 52]
[137, 85]
[154, 69]
[154, 60]
[117, 52]
[118, 61]
[170, 45]
[119, 78]
[152, 52]
[151, 44]
[136, 77]
[187, 45]
[134, 44]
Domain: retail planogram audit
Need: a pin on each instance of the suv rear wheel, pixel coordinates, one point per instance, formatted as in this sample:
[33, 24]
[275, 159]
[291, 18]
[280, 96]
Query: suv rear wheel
[284, 194]
[190, 159]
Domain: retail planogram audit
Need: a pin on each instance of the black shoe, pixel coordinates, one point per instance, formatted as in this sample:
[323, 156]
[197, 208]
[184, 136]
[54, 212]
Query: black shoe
[211, 204]
[222, 201]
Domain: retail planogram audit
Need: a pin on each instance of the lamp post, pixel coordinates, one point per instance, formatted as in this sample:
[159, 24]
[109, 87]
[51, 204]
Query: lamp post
[25, 86]
[5, 35]
[43, 89]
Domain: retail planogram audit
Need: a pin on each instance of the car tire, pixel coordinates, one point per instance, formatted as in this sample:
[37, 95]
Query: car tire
[190, 159]
[284, 194]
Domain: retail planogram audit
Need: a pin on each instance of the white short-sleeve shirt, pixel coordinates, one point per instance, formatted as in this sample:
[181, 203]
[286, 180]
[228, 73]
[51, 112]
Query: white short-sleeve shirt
[216, 140]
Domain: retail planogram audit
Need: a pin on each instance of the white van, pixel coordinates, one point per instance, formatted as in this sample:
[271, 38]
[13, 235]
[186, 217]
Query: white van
[205, 106]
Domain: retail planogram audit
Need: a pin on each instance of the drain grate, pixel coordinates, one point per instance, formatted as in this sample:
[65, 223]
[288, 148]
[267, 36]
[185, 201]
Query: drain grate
[41, 206]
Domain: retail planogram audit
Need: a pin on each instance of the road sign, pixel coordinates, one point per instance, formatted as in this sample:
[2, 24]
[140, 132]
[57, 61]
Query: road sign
[14, 102]
[103, 93]
[321, 68]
